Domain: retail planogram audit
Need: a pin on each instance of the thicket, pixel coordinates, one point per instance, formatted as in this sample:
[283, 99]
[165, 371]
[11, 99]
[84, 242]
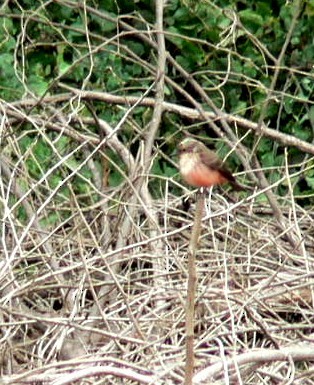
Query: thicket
[95, 219]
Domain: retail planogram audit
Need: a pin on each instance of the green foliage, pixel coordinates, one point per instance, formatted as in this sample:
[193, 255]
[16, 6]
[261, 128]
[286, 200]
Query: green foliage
[9, 84]
[229, 47]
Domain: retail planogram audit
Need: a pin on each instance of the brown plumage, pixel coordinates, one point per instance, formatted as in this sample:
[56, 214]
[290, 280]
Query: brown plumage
[201, 167]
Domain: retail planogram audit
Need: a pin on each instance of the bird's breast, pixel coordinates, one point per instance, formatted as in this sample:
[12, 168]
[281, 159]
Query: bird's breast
[198, 174]
[187, 163]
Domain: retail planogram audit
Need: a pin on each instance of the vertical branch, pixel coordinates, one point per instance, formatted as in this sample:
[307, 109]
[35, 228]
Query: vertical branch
[150, 136]
[191, 290]
[160, 83]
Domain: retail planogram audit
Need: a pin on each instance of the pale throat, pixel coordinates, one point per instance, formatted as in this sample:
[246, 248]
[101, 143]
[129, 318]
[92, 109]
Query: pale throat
[188, 162]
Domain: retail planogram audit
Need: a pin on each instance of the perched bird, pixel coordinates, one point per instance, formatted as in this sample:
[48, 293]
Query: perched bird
[201, 167]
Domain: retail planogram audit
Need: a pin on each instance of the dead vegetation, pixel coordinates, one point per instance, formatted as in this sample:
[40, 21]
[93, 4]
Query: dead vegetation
[93, 278]
[94, 285]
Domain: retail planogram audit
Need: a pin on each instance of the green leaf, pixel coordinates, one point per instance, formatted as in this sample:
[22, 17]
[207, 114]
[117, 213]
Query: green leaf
[51, 220]
[38, 84]
[176, 40]
[240, 108]
[251, 20]
[6, 29]
[55, 180]
[62, 65]
[62, 144]
[310, 182]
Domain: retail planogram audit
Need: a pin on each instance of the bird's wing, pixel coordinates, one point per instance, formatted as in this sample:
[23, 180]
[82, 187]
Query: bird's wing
[212, 161]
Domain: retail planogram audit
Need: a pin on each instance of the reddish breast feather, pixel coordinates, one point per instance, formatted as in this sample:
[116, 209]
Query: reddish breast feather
[202, 176]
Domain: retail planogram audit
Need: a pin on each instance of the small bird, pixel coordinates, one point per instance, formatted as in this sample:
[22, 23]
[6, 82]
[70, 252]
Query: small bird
[201, 167]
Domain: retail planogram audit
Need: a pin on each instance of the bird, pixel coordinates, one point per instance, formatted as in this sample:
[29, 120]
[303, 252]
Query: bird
[201, 167]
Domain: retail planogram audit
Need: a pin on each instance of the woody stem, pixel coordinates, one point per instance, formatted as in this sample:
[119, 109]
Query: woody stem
[191, 289]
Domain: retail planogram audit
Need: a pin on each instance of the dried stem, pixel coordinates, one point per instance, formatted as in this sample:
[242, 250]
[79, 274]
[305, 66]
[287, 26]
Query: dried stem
[191, 289]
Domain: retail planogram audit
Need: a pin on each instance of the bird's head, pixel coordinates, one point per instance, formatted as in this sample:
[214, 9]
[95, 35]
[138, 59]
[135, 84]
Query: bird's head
[189, 146]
